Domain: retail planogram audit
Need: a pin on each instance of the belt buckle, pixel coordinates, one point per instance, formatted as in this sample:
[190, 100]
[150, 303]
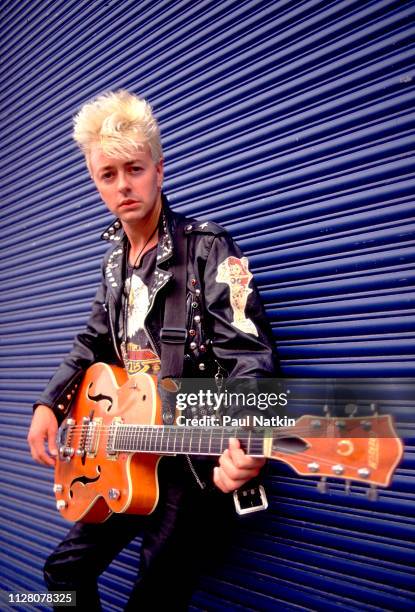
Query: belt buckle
[251, 499]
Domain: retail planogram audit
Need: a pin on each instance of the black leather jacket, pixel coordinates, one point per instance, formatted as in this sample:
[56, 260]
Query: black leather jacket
[228, 332]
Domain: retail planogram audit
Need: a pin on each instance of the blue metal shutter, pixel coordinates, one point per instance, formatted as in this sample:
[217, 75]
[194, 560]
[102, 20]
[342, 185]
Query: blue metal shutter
[288, 122]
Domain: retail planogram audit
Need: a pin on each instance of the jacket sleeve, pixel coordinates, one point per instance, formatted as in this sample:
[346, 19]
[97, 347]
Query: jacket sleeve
[242, 337]
[89, 346]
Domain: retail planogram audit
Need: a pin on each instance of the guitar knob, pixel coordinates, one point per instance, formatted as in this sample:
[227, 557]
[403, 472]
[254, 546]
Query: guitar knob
[364, 472]
[57, 488]
[114, 494]
[338, 469]
[313, 467]
[61, 504]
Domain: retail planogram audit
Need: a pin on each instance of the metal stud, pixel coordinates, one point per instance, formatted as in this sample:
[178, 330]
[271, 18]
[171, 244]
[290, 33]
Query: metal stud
[195, 304]
[313, 467]
[197, 291]
[363, 472]
[105, 235]
[117, 225]
[61, 504]
[202, 366]
[193, 282]
[188, 228]
[193, 345]
[202, 348]
[57, 488]
[192, 332]
[61, 407]
[197, 319]
[337, 469]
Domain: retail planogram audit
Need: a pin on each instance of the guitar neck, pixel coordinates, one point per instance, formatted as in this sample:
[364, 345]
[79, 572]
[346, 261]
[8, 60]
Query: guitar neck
[182, 440]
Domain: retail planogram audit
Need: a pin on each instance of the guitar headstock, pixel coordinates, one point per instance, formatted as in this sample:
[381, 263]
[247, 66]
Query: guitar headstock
[364, 449]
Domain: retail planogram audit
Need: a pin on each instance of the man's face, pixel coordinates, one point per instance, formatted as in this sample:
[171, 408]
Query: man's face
[130, 188]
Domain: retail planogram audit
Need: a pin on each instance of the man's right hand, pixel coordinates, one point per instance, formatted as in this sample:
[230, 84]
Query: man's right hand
[44, 427]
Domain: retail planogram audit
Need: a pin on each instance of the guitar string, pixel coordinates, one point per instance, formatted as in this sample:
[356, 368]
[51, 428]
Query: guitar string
[299, 459]
[283, 431]
[298, 455]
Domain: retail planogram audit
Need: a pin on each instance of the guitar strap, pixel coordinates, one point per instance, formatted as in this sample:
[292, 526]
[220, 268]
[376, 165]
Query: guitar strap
[251, 497]
[173, 334]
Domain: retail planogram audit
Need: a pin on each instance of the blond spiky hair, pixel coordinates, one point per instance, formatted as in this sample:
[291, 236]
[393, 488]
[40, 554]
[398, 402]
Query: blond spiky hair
[120, 123]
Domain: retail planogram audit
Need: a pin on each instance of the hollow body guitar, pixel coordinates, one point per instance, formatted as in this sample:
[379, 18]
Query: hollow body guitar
[113, 439]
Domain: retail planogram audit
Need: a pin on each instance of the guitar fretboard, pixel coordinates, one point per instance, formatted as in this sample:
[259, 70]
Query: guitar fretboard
[174, 439]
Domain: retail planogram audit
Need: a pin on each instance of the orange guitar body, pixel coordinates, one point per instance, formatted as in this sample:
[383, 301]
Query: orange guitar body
[104, 482]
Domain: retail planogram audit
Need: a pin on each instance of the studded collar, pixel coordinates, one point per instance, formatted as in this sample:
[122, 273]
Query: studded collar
[116, 258]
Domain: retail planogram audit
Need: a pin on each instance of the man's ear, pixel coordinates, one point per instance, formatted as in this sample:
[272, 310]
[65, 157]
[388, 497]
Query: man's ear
[160, 173]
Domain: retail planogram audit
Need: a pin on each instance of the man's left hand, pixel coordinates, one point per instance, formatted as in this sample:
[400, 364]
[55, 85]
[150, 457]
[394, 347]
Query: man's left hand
[235, 467]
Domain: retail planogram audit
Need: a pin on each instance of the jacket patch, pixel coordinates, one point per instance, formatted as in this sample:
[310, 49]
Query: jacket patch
[235, 273]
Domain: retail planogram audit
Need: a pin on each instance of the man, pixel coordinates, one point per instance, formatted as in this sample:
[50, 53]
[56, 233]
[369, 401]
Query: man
[227, 335]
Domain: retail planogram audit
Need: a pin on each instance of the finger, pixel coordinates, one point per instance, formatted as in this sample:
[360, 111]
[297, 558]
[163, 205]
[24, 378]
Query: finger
[224, 483]
[53, 449]
[231, 470]
[239, 457]
[38, 451]
[41, 456]
[217, 481]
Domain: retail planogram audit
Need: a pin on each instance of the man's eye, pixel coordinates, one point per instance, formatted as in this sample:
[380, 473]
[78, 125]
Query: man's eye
[135, 169]
[106, 175]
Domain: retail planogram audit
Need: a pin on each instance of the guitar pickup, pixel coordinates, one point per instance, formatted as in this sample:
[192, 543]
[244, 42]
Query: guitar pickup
[92, 438]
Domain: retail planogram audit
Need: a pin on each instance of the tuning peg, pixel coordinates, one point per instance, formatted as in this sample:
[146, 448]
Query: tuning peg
[374, 409]
[350, 409]
[348, 487]
[322, 485]
[372, 493]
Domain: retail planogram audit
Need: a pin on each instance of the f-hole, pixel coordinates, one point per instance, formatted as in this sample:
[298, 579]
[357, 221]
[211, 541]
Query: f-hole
[99, 397]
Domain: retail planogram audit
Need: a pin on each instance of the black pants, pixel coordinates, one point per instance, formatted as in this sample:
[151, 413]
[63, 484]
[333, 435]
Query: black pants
[187, 534]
